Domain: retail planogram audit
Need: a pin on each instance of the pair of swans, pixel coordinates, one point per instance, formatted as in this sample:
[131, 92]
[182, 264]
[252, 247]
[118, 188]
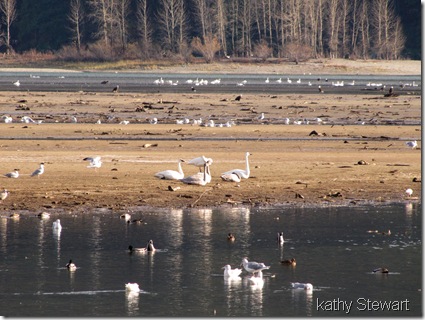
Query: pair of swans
[236, 175]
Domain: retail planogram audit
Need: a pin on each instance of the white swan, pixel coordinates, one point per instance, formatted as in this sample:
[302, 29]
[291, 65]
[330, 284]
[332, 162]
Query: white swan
[231, 273]
[134, 287]
[305, 286]
[409, 192]
[200, 178]
[231, 177]
[39, 171]
[200, 162]
[252, 266]
[171, 174]
[242, 173]
[95, 162]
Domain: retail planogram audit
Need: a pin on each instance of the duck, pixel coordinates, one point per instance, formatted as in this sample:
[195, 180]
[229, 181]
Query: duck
[231, 273]
[71, 266]
[231, 237]
[290, 262]
[380, 270]
[171, 174]
[133, 287]
[242, 173]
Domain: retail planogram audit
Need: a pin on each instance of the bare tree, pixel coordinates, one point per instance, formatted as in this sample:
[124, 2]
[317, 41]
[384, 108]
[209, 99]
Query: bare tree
[208, 49]
[171, 20]
[221, 25]
[101, 10]
[144, 26]
[76, 18]
[122, 8]
[8, 10]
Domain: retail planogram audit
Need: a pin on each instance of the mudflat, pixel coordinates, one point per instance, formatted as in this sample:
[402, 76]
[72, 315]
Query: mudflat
[356, 154]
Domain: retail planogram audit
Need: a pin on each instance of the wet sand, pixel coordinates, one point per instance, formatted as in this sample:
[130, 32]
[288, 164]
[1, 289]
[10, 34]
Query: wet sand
[289, 166]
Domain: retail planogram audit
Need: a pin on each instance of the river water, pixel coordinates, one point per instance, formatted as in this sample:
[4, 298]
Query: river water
[334, 249]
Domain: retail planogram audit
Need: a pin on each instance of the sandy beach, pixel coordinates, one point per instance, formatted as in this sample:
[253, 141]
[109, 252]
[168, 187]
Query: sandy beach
[357, 155]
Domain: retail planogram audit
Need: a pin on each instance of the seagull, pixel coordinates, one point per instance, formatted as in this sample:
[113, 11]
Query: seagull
[17, 83]
[153, 121]
[231, 177]
[95, 162]
[71, 266]
[252, 266]
[57, 225]
[261, 116]
[231, 273]
[13, 174]
[280, 239]
[133, 287]
[412, 144]
[39, 171]
[7, 119]
[74, 119]
[4, 194]
[200, 161]
[242, 173]
[171, 174]
[305, 286]
[409, 192]
[291, 262]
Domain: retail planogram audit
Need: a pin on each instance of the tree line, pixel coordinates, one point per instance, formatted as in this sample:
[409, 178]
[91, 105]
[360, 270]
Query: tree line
[291, 29]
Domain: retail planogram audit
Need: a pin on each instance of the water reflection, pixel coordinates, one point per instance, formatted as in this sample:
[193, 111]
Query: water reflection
[132, 302]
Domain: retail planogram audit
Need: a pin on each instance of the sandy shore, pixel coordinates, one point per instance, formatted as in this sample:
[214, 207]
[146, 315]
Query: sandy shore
[288, 165]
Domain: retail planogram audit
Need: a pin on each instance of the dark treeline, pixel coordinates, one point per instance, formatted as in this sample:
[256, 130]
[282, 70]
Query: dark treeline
[292, 29]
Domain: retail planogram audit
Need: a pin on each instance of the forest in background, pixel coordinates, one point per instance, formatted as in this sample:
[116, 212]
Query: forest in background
[297, 30]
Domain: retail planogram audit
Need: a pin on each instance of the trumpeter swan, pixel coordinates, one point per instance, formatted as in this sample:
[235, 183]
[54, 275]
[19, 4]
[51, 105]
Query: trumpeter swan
[242, 173]
[200, 178]
[171, 174]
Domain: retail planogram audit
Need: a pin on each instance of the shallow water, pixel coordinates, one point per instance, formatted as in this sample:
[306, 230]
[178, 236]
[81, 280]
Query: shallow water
[184, 277]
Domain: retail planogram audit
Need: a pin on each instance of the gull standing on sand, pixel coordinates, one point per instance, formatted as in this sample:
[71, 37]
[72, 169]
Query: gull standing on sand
[39, 171]
[242, 173]
[412, 144]
[95, 162]
[409, 192]
[14, 174]
[171, 174]
[4, 194]
[253, 267]
[7, 119]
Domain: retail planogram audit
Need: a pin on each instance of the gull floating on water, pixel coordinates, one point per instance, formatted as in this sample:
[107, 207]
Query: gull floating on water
[242, 173]
[304, 286]
[14, 174]
[171, 174]
[231, 273]
[38, 172]
[252, 266]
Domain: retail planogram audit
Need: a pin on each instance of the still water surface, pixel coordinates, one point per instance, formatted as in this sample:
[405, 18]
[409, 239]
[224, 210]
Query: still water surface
[184, 277]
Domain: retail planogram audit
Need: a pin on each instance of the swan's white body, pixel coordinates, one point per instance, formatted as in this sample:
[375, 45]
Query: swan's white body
[14, 174]
[231, 177]
[409, 192]
[39, 171]
[200, 161]
[231, 273]
[134, 287]
[95, 162]
[253, 267]
[242, 173]
[200, 178]
[171, 174]
[304, 286]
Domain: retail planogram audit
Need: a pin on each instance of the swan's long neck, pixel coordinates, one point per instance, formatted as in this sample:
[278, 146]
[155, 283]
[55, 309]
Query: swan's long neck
[179, 166]
[247, 165]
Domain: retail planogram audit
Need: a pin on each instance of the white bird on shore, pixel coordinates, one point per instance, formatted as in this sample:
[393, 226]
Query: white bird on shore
[200, 179]
[242, 173]
[27, 119]
[38, 172]
[171, 174]
[14, 174]
[153, 121]
[74, 119]
[200, 161]
[252, 266]
[231, 273]
[304, 286]
[17, 83]
[7, 119]
[412, 144]
[231, 177]
[4, 194]
[95, 162]
[409, 192]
